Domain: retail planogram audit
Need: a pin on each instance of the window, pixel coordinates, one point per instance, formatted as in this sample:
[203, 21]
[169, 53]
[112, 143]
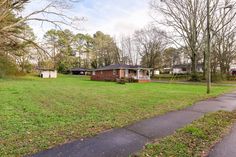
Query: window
[94, 73]
[114, 72]
[101, 72]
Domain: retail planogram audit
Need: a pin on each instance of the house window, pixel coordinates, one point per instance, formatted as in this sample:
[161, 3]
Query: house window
[94, 73]
[101, 72]
[114, 72]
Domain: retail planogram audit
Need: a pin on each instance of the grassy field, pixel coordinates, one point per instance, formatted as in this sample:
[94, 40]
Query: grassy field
[37, 114]
[195, 139]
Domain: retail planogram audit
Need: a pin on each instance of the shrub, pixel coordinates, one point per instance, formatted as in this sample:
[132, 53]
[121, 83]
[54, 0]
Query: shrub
[231, 78]
[132, 80]
[121, 81]
[195, 77]
[7, 67]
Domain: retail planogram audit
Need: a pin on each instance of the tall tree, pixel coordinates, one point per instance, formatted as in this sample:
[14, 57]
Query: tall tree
[151, 44]
[61, 49]
[106, 51]
[186, 18]
[129, 55]
[13, 24]
[84, 46]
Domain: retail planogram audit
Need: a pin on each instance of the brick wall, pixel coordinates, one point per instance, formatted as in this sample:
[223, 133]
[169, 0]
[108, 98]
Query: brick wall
[106, 75]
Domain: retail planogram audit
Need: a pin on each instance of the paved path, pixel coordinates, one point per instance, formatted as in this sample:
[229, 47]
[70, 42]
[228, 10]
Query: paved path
[128, 140]
[227, 147]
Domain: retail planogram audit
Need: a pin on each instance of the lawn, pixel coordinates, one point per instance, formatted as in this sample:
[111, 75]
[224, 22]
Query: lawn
[36, 114]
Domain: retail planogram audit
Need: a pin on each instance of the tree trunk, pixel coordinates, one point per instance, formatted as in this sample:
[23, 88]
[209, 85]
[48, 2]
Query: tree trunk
[204, 66]
[194, 64]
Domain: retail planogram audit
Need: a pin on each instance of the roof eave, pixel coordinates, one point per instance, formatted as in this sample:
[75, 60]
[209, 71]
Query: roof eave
[123, 69]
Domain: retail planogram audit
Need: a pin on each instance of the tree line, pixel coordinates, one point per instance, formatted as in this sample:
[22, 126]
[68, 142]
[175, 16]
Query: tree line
[187, 20]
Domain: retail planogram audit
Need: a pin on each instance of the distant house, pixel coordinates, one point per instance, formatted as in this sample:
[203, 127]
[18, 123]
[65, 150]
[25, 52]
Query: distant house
[47, 73]
[186, 69]
[156, 72]
[80, 71]
[233, 72]
[117, 71]
[181, 69]
[232, 69]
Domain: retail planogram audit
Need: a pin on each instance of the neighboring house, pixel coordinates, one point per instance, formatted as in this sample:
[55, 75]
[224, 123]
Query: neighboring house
[181, 69]
[233, 72]
[166, 71]
[233, 69]
[156, 72]
[232, 66]
[186, 69]
[47, 73]
[80, 71]
[118, 71]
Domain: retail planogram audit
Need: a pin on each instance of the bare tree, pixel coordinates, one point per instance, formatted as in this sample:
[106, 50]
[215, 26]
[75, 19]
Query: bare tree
[150, 43]
[129, 54]
[12, 21]
[223, 39]
[186, 18]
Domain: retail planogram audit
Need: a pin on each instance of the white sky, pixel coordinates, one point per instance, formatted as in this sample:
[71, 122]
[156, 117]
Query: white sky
[114, 17]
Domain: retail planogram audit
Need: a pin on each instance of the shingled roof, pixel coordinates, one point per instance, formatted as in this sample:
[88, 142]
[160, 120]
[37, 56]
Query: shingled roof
[121, 66]
[80, 69]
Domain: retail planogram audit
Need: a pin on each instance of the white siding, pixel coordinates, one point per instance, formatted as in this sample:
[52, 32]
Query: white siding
[48, 74]
[178, 71]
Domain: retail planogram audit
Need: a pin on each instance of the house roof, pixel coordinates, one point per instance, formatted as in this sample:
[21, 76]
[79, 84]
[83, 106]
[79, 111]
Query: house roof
[80, 69]
[120, 66]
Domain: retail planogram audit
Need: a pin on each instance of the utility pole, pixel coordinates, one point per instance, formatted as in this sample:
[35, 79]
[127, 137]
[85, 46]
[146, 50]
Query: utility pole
[208, 54]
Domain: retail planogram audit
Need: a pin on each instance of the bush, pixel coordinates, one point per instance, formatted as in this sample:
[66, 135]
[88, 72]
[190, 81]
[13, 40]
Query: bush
[121, 81]
[126, 80]
[217, 78]
[231, 77]
[7, 67]
[195, 77]
[132, 80]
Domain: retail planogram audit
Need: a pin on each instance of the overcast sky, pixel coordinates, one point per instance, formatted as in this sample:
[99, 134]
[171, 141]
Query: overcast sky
[115, 17]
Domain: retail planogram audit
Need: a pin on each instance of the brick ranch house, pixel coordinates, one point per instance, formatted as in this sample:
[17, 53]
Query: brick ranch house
[117, 71]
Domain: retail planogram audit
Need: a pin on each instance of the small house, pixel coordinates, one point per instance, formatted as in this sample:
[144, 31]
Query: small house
[156, 72]
[118, 71]
[186, 68]
[233, 72]
[181, 69]
[47, 73]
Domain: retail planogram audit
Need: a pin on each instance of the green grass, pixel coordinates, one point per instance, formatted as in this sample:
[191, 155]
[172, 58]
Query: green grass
[36, 114]
[194, 140]
[172, 78]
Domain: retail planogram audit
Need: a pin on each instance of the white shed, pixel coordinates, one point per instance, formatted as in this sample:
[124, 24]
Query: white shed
[48, 73]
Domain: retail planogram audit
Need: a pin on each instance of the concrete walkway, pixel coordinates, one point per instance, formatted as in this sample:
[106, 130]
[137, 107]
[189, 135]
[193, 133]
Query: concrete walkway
[226, 148]
[122, 142]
